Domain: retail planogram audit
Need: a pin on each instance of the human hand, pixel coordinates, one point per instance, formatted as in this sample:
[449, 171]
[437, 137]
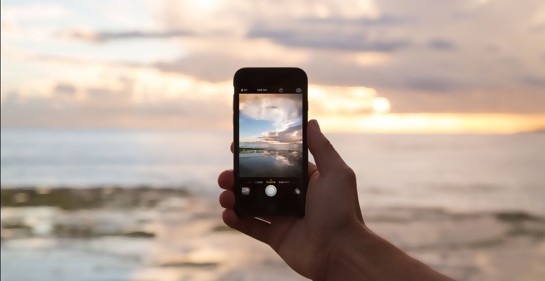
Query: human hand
[332, 211]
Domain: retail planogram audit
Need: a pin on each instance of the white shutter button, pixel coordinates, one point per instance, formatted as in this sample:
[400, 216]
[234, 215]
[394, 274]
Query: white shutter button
[270, 190]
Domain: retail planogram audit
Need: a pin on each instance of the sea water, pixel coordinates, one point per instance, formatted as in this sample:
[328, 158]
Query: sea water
[456, 172]
[396, 173]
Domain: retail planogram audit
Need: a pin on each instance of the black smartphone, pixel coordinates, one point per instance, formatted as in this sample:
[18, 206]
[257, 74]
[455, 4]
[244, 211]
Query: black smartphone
[270, 147]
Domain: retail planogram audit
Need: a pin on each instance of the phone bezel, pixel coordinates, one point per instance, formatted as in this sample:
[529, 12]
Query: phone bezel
[289, 78]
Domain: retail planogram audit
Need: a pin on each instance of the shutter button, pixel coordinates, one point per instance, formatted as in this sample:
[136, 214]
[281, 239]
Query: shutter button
[270, 190]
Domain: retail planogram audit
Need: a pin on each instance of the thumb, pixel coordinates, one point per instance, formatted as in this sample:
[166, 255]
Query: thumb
[324, 153]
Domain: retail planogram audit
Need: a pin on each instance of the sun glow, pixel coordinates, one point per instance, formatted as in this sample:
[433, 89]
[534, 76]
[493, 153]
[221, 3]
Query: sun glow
[450, 123]
[362, 109]
[381, 105]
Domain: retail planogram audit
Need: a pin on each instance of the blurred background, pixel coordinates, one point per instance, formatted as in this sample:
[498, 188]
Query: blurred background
[116, 120]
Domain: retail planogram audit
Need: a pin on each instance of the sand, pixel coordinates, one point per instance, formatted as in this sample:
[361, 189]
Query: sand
[181, 237]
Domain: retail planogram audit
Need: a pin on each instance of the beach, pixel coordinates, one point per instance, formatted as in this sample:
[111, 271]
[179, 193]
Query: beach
[166, 234]
[142, 205]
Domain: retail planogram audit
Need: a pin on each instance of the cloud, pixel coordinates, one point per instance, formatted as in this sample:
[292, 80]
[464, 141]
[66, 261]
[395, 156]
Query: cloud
[340, 22]
[64, 89]
[441, 44]
[33, 12]
[436, 84]
[282, 110]
[354, 40]
[534, 80]
[292, 135]
[105, 108]
[335, 33]
[433, 59]
[237, 17]
[403, 31]
[325, 32]
[102, 37]
[468, 101]
[118, 97]
[207, 66]
[205, 60]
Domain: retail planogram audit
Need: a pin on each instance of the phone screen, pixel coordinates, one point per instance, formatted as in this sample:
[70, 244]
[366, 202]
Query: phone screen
[271, 157]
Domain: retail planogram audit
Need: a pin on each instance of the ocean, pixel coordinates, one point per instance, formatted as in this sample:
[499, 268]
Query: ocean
[462, 173]
[466, 205]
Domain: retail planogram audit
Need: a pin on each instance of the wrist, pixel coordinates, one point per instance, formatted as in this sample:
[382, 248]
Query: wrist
[347, 257]
[361, 254]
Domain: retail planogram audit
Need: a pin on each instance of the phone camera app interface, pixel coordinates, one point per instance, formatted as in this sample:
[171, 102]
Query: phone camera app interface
[270, 144]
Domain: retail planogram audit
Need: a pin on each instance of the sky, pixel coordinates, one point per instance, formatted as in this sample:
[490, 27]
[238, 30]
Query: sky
[412, 66]
[271, 118]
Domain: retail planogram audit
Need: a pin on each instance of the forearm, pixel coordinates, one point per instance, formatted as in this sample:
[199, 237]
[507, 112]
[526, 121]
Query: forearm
[363, 255]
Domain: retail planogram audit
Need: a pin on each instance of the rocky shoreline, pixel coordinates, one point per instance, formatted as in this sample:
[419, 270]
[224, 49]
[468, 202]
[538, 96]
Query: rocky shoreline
[88, 198]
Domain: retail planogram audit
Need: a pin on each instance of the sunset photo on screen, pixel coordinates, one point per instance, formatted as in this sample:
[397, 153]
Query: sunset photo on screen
[271, 140]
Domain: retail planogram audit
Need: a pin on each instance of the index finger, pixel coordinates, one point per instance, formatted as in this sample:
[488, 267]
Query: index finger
[226, 180]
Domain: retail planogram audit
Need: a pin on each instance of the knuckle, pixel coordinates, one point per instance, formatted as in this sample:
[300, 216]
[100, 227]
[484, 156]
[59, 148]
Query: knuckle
[349, 173]
[326, 145]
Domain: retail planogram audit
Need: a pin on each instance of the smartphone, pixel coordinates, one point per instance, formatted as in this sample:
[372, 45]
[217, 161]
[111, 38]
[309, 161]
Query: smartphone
[270, 146]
